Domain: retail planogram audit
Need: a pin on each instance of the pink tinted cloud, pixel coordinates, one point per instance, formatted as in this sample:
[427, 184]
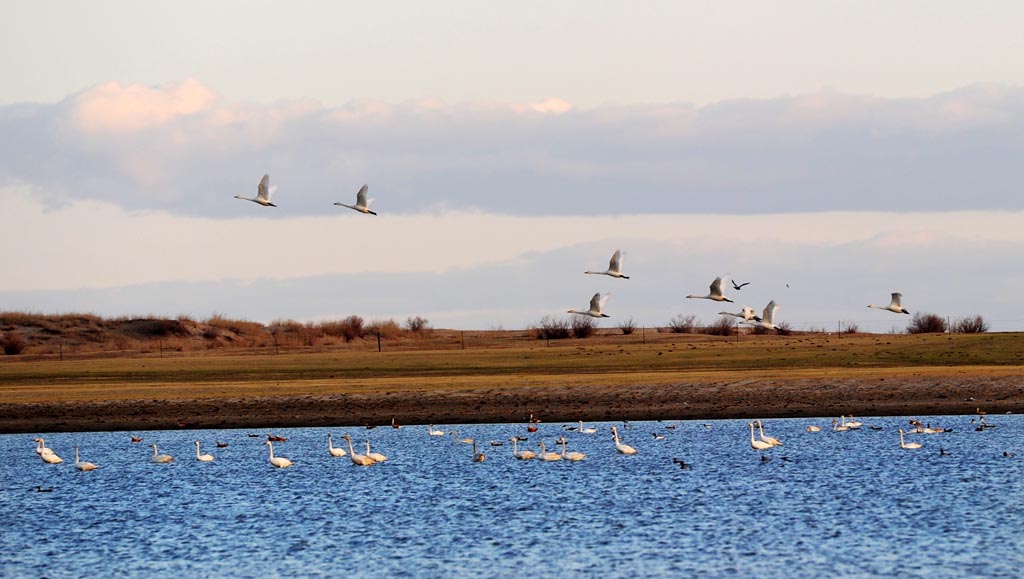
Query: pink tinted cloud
[117, 108]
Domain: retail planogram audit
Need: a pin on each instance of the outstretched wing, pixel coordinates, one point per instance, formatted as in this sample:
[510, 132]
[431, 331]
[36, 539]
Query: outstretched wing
[595, 302]
[716, 286]
[769, 312]
[897, 299]
[616, 262]
[601, 302]
[361, 196]
[263, 191]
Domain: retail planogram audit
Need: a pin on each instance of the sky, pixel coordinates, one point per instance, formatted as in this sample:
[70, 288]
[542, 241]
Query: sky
[828, 152]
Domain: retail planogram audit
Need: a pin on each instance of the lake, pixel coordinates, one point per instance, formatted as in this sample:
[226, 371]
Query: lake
[838, 504]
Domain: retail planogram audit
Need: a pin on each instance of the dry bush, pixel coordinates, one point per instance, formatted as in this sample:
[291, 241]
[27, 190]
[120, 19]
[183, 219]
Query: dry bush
[628, 326]
[583, 326]
[386, 329]
[12, 343]
[551, 328]
[971, 325]
[240, 327]
[923, 323]
[682, 324]
[417, 325]
[156, 328]
[851, 328]
[784, 329]
[723, 326]
[350, 328]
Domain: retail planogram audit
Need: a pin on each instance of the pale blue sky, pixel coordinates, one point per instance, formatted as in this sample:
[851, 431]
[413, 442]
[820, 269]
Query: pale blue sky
[849, 149]
[588, 53]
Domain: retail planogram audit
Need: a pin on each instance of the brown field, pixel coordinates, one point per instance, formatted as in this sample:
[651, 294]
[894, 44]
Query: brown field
[505, 376]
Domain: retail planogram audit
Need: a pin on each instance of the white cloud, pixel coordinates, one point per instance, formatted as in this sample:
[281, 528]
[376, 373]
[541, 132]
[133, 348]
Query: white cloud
[182, 149]
[113, 107]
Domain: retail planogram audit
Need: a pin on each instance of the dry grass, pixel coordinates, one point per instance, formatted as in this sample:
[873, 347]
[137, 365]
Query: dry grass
[504, 360]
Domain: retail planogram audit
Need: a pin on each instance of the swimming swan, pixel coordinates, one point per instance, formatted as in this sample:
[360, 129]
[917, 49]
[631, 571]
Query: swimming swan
[277, 461]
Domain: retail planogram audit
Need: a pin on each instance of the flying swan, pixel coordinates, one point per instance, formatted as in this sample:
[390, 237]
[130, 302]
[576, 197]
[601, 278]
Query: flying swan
[596, 306]
[362, 203]
[614, 267]
[263, 193]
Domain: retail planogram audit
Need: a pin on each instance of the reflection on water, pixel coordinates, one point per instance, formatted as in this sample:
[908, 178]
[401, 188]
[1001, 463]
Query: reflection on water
[848, 504]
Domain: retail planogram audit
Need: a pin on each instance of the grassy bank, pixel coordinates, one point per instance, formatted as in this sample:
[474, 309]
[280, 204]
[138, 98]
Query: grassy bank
[507, 363]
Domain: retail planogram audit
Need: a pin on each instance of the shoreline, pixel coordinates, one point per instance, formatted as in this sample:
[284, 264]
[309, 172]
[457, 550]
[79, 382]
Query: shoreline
[705, 399]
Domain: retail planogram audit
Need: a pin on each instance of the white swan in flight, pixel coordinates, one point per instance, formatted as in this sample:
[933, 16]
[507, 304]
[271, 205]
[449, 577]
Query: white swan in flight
[596, 307]
[277, 461]
[336, 452]
[362, 203]
[83, 465]
[619, 446]
[767, 318]
[614, 267]
[263, 193]
[747, 314]
[202, 457]
[716, 291]
[160, 458]
[894, 306]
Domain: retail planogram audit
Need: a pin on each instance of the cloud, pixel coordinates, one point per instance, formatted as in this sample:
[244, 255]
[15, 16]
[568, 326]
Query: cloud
[182, 149]
[113, 107]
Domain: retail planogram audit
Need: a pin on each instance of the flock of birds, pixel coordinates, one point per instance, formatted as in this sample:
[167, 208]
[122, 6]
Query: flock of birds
[759, 442]
[597, 303]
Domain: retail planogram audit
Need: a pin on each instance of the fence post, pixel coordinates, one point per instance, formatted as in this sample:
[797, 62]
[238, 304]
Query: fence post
[643, 334]
[378, 340]
[463, 339]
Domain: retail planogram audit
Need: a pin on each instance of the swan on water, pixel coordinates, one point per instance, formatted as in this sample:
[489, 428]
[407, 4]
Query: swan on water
[277, 461]
[202, 457]
[336, 452]
[757, 444]
[83, 465]
[160, 458]
[357, 459]
[619, 446]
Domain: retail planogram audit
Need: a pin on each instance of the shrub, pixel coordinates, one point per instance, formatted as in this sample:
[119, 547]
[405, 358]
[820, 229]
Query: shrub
[724, 326]
[973, 325]
[350, 328]
[416, 324]
[628, 326]
[552, 329]
[12, 343]
[923, 323]
[851, 328]
[682, 324]
[387, 329]
[583, 326]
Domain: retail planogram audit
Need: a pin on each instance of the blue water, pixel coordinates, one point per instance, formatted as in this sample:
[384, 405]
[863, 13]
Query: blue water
[846, 504]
